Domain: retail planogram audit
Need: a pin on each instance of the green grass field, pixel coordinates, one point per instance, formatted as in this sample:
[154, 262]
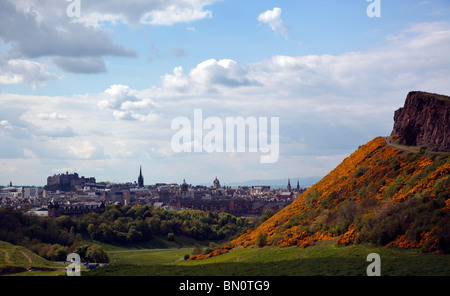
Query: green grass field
[18, 260]
[326, 259]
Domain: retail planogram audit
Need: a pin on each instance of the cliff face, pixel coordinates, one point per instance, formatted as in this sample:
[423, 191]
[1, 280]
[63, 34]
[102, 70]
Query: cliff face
[424, 120]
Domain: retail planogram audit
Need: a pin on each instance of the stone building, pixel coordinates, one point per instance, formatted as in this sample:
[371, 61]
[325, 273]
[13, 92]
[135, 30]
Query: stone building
[67, 182]
[75, 210]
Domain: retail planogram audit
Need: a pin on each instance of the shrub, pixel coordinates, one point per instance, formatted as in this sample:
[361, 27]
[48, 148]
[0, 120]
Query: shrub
[261, 239]
[197, 250]
[394, 187]
[348, 211]
[360, 171]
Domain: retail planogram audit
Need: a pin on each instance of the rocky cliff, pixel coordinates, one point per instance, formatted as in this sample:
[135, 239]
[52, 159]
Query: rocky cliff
[424, 120]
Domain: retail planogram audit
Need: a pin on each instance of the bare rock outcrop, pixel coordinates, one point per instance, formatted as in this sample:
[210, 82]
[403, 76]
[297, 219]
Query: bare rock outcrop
[424, 120]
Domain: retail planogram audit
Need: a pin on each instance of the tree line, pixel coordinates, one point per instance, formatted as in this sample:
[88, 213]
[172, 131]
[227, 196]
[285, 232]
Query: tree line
[54, 238]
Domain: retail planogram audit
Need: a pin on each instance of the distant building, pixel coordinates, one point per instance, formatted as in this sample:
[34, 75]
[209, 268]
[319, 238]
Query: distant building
[285, 195]
[164, 193]
[19, 192]
[67, 182]
[121, 196]
[74, 210]
[28, 192]
[140, 179]
[216, 183]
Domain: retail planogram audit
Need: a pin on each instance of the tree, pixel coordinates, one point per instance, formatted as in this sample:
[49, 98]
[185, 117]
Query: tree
[266, 215]
[57, 253]
[134, 235]
[82, 250]
[91, 229]
[95, 253]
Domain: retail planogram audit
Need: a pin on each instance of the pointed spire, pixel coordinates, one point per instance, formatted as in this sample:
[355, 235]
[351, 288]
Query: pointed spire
[140, 178]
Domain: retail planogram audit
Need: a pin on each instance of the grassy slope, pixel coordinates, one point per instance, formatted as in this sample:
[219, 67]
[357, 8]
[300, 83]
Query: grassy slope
[159, 242]
[14, 259]
[326, 258]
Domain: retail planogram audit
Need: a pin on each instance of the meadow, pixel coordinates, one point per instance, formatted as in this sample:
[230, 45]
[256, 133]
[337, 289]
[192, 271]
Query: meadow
[324, 259]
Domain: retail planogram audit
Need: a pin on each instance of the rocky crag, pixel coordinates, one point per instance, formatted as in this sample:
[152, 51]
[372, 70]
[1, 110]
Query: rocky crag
[424, 121]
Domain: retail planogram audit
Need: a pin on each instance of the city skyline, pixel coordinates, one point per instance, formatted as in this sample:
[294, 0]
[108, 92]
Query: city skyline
[276, 183]
[97, 92]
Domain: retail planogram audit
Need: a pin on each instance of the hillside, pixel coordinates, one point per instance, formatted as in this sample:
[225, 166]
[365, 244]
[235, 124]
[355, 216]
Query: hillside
[380, 194]
[15, 259]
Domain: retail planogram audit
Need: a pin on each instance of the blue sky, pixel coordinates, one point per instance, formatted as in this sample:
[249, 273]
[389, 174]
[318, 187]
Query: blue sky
[97, 94]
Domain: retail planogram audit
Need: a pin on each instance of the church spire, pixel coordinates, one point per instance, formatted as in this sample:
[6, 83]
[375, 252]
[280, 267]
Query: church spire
[140, 178]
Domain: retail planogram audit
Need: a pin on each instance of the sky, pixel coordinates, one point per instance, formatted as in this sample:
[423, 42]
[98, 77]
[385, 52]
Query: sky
[95, 87]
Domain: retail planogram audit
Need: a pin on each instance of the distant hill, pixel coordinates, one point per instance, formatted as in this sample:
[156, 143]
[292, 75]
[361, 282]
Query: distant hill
[380, 194]
[278, 183]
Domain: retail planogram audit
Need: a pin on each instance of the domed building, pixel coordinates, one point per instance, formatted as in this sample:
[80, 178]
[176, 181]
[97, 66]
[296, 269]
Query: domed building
[184, 186]
[216, 183]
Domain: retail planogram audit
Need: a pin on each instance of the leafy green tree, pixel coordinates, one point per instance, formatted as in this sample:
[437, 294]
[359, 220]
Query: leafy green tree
[134, 235]
[82, 250]
[95, 253]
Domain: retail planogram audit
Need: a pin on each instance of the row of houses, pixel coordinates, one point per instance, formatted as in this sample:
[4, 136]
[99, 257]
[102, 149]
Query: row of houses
[234, 206]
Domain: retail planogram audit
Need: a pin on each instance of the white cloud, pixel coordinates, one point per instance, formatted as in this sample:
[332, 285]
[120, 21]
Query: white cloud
[128, 104]
[117, 94]
[274, 20]
[319, 97]
[208, 76]
[173, 14]
[51, 116]
[16, 71]
[5, 125]
[328, 105]
[153, 12]
[35, 29]
[82, 150]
